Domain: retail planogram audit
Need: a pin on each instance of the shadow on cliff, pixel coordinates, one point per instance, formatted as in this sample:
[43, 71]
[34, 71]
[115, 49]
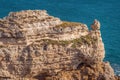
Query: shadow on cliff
[41, 76]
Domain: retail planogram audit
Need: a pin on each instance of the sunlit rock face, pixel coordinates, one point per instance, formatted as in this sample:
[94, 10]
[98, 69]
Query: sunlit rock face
[35, 45]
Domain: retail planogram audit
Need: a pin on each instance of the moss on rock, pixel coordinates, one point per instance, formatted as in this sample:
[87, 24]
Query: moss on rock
[75, 42]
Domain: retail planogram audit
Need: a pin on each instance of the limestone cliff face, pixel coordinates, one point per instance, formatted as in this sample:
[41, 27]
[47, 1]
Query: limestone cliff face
[35, 45]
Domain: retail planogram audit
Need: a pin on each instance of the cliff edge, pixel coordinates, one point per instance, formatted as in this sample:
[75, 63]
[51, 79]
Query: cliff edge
[37, 46]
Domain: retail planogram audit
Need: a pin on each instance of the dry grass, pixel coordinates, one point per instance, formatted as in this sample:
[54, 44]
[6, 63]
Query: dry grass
[68, 24]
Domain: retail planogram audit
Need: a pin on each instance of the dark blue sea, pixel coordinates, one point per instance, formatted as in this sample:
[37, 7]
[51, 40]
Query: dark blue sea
[85, 11]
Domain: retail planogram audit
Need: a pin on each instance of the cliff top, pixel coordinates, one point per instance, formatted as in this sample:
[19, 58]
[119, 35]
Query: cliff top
[30, 25]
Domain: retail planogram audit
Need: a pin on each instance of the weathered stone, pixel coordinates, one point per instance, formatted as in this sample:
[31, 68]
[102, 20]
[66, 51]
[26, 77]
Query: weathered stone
[36, 45]
[95, 25]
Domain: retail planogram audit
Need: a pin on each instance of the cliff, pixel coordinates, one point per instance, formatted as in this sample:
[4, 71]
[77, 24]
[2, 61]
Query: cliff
[35, 45]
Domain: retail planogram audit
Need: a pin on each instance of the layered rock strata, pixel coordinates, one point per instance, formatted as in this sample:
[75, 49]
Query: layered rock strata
[35, 45]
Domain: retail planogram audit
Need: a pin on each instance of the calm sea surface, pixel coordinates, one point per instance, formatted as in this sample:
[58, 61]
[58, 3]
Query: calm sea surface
[85, 11]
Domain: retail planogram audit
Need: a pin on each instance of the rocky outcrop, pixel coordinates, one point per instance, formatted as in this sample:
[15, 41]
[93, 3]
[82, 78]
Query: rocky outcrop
[99, 71]
[35, 45]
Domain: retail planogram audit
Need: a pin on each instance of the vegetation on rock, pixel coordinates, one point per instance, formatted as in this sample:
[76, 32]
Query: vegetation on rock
[68, 24]
[75, 42]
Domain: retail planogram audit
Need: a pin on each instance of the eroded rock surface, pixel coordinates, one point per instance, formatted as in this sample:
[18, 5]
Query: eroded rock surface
[35, 45]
